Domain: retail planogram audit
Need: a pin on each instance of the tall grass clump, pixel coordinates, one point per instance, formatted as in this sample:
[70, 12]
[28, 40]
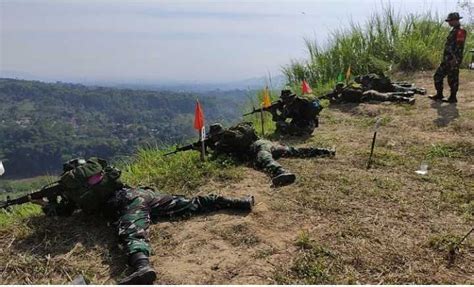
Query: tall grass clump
[181, 173]
[386, 42]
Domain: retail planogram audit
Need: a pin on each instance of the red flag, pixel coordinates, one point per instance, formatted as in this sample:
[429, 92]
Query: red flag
[198, 117]
[306, 88]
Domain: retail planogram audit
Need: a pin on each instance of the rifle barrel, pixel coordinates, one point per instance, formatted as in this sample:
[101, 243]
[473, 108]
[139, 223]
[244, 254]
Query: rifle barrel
[47, 191]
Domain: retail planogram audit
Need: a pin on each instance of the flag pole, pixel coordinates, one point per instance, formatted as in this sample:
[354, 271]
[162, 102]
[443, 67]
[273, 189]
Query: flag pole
[203, 145]
[263, 120]
[200, 127]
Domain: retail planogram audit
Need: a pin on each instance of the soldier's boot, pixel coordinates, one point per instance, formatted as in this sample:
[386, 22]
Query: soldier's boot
[143, 274]
[439, 92]
[408, 94]
[436, 97]
[421, 91]
[401, 99]
[243, 204]
[452, 98]
[316, 152]
[282, 178]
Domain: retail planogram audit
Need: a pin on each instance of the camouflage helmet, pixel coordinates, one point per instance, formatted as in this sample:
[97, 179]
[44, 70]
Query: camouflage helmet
[215, 129]
[453, 16]
[73, 163]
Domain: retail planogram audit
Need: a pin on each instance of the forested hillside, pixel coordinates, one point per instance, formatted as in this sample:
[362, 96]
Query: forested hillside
[43, 124]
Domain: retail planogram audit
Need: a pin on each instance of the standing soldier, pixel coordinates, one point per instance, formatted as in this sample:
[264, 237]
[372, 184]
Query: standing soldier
[452, 59]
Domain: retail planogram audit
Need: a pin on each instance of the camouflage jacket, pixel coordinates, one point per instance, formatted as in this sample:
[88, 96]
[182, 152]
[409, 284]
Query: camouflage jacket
[454, 47]
[234, 141]
[376, 82]
[351, 93]
[303, 108]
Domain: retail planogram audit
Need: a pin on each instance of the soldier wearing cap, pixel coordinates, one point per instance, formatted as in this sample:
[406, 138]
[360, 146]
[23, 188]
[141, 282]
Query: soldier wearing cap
[452, 58]
[301, 111]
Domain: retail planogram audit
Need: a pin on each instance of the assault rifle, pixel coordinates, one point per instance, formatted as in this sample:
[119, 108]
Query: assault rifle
[49, 191]
[275, 105]
[184, 148]
[332, 95]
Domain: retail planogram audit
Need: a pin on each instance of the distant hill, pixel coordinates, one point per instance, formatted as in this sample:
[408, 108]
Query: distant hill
[275, 82]
[43, 124]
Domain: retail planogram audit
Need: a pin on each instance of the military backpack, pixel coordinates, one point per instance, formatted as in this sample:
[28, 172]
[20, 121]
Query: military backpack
[89, 183]
[237, 139]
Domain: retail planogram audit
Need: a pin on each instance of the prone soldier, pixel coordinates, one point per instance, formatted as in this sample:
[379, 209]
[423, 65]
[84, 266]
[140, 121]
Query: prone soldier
[94, 187]
[383, 84]
[242, 142]
[354, 93]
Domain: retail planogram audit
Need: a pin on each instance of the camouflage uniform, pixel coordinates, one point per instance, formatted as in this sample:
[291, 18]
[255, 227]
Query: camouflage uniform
[266, 152]
[383, 84]
[131, 209]
[242, 142]
[138, 207]
[302, 111]
[356, 94]
[452, 59]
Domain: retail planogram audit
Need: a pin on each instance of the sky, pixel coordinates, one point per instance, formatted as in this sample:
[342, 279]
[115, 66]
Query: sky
[172, 41]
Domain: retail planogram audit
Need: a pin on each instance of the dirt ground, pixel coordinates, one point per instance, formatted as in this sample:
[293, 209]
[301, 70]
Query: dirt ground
[339, 223]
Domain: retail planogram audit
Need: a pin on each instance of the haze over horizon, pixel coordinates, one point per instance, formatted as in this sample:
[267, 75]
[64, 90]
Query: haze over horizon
[173, 41]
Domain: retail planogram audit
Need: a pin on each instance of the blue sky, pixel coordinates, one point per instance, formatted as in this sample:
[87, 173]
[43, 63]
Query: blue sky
[172, 41]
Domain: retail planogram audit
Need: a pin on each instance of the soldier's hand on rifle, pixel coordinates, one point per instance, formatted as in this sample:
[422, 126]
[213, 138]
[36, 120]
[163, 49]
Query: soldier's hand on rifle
[39, 202]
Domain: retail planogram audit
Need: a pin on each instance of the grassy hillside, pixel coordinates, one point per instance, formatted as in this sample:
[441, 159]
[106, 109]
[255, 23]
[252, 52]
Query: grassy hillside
[339, 223]
[45, 124]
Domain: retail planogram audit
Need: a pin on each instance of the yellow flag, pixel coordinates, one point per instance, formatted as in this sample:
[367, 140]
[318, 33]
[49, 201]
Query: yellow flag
[266, 98]
[348, 73]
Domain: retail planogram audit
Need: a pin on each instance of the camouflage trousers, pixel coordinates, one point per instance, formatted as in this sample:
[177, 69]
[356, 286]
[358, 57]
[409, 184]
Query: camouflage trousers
[372, 95]
[297, 128]
[138, 208]
[452, 72]
[266, 153]
[406, 87]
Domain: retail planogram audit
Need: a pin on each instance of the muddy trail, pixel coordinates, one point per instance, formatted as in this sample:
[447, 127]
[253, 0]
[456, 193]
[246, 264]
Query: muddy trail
[339, 222]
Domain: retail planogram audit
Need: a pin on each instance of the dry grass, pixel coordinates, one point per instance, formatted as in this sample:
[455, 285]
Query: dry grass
[339, 223]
